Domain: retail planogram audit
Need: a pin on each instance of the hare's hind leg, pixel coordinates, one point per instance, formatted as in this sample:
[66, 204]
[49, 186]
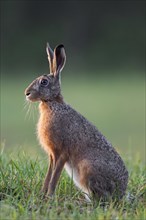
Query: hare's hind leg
[48, 176]
[101, 188]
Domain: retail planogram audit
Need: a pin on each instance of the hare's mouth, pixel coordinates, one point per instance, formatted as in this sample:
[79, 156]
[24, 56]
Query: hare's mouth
[32, 97]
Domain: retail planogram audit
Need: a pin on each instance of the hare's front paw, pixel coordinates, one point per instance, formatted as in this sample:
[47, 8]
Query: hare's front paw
[43, 192]
[50, 193]
[45, 196]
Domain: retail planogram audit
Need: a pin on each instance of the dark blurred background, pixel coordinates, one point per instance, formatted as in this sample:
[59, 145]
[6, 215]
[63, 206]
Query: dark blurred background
[97, 34]
[104, 74]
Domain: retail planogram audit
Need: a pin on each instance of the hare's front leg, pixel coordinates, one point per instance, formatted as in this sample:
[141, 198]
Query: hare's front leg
[48, 176]
[56, 174]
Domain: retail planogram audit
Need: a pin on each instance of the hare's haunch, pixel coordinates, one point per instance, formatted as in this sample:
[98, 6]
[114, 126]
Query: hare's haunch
[71, 141]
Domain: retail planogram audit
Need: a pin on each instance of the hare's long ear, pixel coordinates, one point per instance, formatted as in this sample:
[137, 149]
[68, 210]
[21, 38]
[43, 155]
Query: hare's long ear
[59, 59]
[50, 54]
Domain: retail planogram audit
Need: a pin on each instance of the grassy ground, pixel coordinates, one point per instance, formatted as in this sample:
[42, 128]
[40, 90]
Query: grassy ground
[21, 180]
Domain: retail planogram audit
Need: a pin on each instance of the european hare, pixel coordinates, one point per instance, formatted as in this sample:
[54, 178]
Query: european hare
[71, 141]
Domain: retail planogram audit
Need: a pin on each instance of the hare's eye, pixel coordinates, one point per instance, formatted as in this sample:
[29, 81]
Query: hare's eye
[44, 82]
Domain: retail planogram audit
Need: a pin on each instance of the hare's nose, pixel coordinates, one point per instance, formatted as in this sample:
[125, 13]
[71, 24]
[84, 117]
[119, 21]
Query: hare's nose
[27, 94]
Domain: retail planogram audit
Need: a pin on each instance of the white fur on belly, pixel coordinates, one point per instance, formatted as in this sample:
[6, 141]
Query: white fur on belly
[73, 173]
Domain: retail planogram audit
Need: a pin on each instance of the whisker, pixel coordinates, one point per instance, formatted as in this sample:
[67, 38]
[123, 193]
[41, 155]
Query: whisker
[25, 104]
[28, 104]
[35, 110]
[30, 110]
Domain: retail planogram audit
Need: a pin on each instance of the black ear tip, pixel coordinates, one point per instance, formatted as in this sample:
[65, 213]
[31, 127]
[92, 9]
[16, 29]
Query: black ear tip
[60, 46]
[59, 49]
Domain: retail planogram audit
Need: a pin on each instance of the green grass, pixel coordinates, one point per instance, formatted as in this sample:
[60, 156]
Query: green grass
[21, 180]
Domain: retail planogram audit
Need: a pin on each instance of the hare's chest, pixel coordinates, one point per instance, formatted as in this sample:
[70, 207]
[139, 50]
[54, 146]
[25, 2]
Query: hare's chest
[44, 132]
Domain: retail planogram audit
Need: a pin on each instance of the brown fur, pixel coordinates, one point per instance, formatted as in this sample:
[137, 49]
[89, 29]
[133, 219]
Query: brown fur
[43, 128]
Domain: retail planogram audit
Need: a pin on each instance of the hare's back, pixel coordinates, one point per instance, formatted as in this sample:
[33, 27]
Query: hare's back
[81, 136]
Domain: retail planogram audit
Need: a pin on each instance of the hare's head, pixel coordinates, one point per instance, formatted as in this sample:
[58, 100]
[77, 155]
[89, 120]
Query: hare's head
[47, 87]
